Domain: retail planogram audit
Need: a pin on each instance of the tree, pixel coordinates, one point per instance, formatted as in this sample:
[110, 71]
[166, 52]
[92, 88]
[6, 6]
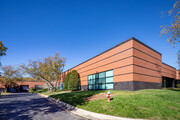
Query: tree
[73, 80]
[48, 69]
[172, 31]
[11, 76]
[31, 90]
[3, 49]
[29, 79]
[66, 86]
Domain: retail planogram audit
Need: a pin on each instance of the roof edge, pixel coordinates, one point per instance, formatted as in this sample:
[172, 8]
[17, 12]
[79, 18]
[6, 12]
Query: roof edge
[169, 65]
[145, 45]
[132, 38]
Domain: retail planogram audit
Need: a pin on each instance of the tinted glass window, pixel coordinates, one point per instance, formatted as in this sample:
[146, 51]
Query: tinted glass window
[109, 79]
[103, 80]
[102, 75]
[109, 73]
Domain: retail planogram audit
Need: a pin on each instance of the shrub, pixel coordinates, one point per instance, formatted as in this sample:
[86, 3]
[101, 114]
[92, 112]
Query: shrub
[66, 87]
[31, 90]
[58, 90]
[44, 90]
[178, 85]
[73, 80]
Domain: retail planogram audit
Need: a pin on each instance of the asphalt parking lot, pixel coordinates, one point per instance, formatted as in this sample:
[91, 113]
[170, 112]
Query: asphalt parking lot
[26, 106]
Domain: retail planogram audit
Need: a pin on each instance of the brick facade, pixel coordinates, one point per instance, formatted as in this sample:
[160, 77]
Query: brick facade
[135, 66]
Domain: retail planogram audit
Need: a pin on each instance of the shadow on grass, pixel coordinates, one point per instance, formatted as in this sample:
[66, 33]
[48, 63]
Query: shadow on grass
[39, 91]
[75, 98]
[174, 89]
[111, 98]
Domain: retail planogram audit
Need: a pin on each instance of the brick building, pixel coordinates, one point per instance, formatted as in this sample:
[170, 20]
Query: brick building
[25, 85]
[35, 85]
[130, 65]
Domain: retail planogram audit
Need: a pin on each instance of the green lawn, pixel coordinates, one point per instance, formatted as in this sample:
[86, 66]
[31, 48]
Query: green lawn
[148, 104]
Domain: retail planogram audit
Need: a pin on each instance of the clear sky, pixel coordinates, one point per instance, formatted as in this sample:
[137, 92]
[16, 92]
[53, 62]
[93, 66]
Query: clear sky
[80, 29]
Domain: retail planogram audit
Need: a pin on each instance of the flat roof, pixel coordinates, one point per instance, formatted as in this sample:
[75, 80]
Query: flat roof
[168, 65]
[132, 38]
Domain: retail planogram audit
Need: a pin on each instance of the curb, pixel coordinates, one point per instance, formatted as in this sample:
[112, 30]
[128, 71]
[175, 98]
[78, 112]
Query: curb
[84, 113]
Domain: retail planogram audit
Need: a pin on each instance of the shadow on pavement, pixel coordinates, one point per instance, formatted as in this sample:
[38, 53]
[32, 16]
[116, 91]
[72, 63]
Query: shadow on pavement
[23, 106]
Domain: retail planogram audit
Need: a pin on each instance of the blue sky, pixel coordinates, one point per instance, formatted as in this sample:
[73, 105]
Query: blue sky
[80, 29]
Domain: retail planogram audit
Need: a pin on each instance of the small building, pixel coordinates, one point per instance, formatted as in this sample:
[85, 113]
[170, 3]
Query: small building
[130, 65]
[25, 86]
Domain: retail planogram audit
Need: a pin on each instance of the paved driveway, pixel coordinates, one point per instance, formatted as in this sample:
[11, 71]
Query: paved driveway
[25, 106]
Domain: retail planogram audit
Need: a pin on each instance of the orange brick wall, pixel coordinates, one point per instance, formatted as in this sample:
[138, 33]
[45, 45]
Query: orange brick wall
[168, 71]
[31, 84]
[146, 64]
[178, 74]
[119, 59]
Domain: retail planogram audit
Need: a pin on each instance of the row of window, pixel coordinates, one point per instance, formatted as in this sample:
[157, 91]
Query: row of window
[38, 87]
[101, 81]
[100, 86]
[101, 75]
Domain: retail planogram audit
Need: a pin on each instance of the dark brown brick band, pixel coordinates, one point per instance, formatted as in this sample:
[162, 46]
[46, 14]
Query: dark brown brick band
[136, 85]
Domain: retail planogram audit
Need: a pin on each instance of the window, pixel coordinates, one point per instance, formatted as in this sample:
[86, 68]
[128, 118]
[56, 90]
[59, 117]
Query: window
[101, 81]
[102, 75]
[79, 84]
[38, 87]
[109, 73]
[61, 85]
[109, 86]
[109, 80]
